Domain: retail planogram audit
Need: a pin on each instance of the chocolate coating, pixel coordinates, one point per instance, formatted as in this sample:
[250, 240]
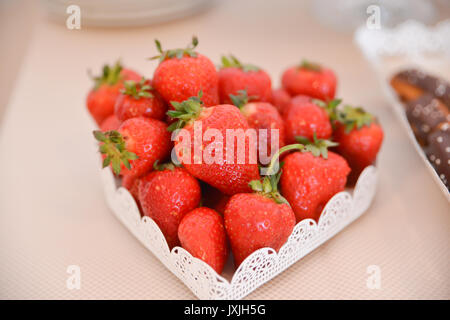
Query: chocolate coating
[438, 151]
[433, 85]
[425, 114]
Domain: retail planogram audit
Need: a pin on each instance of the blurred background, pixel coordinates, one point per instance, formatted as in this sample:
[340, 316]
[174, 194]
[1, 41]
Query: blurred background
[52, 209]
[18, 18]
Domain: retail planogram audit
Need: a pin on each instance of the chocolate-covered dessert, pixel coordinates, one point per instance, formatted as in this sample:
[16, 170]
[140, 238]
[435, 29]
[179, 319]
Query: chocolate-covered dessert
[438, 151]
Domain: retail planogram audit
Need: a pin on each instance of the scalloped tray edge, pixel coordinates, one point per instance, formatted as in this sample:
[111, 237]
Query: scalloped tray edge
[262, 265]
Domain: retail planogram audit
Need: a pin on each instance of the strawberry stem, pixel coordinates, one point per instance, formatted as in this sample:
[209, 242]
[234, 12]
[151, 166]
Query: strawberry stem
[271, 168]
[354, 117]
[318, 147]
[113, 146]
[137, 90]
[176, 53]
[330, 107]
[268, 187]
[241, 99]
[233, 62]
[110, 75]
[312, 66]
[185, 111]
[163, 166]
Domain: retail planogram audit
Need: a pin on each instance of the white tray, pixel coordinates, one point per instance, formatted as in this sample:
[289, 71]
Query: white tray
[259, 267]
[409, 45]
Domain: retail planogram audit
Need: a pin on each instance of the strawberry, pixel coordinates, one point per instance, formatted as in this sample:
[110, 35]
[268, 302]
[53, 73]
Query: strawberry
[202, 234]
[235, 76]
[258, 220]
[139, 99]
[101, 99]
[281, 99]
[228, 168]
[261, 115]
[182, 73]
[359, 136]
[305, 118]
[110, 123]
[131, 183]
[166, 195]
[135, 146]
[310, 79]
[311, 177]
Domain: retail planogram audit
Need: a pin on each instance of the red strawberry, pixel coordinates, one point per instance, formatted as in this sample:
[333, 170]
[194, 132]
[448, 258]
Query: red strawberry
[110, 123]
[182, 73]
[257, 220]
[201, 232]
[305, 118]
[166, 195]
[261, 115]
[139, 99]
[131, 183]
[359, 137]
[310, 178]
[225, 167]
[135, 146]
[281, 99]
[310, 79]
[235, 76]
[101, 99]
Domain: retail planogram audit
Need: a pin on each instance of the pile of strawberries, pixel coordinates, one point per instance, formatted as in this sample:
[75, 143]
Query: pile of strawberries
[207, 207]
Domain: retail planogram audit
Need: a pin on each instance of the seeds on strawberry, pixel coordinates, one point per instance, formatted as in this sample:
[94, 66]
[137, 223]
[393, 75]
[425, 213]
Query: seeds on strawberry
[230, 177]
[202, 233]
[258, 220]
[166, 195]
[139, 99]
[311, 177]
[261, 115]
[235, 76]
[305, 118]
[359, 136]
[310, 79]
[135, 146]
[182, 73]
[102, 98]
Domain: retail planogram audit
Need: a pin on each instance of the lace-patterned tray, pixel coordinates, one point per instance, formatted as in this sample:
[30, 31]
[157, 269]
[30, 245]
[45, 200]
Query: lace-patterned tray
[409, 45]
[259, 267]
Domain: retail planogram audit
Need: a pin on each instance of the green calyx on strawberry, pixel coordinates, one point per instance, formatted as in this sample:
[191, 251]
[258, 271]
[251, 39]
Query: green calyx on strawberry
[113, 146]
[176, 53]
[110, 75]
[137, 90]
[318, 147]
[268, 187]
[241, 99]
[163, 166]
[311, 66]
[354, 117]
[330, 107]
[185, 111]
[233, 62]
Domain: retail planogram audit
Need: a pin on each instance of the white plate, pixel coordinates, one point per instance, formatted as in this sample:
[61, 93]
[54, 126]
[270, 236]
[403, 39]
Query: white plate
[120, 13]
[262, 265]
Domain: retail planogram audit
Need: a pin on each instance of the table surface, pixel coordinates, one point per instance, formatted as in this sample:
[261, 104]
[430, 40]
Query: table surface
[53, 213]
